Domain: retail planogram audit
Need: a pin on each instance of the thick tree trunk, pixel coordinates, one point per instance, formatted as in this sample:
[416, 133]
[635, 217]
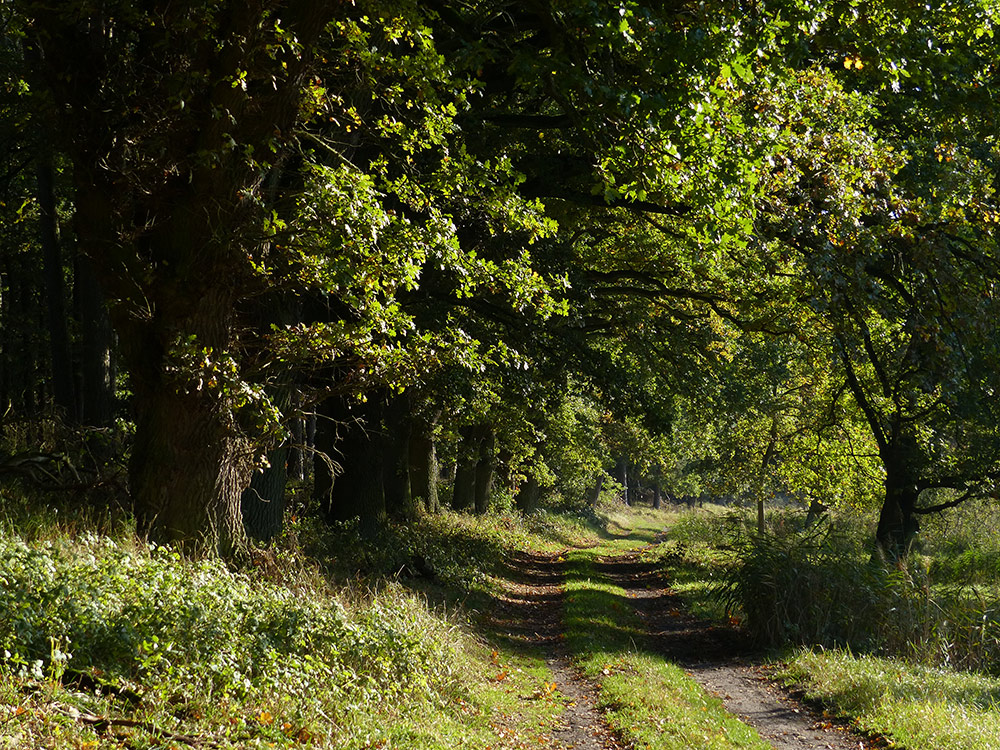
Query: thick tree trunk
[485, 469]
[188, 471]
[897, 523]
[657, 496]
[423, 466]
[526, 499]
[395, 437]
[351, 436]
[263, 502]
[55, 289]
[191, 459]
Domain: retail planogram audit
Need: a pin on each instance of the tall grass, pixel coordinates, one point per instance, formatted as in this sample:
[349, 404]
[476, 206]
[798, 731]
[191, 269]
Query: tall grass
[820, 587]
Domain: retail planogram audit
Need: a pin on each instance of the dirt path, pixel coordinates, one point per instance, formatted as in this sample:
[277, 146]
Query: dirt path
[717, 658]
[530, 613]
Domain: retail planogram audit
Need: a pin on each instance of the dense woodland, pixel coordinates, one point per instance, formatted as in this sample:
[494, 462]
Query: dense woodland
[401, 255]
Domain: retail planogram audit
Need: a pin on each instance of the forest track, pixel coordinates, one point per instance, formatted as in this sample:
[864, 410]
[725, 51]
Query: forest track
[722, 661]
[529, 615]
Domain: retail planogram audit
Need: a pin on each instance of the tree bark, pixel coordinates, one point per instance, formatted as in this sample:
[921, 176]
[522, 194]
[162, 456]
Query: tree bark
[594, 493]
[395, 437]
[621, 476]
[352, 437]
[55, 288]
[897, 523]
[297, 448]
[463, 495]
[526, 499]
[816, 511]
[263, 502]
[423, 464]
[485, 469]
[188, 471]
[97, 384]
[191, 459]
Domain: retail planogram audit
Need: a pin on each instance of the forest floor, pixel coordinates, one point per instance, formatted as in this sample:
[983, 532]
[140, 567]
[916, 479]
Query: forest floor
[530, 612]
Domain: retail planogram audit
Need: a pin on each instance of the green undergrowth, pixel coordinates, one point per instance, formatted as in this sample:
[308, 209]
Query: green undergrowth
[910, 651]
[919, 707]
[694, 549]
[649, 702]
[819, 585]
[108, 641]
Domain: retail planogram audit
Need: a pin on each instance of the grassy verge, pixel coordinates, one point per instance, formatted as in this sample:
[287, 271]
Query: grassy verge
[106, 641]
[648, 701]
[819, 588]
[919, 707]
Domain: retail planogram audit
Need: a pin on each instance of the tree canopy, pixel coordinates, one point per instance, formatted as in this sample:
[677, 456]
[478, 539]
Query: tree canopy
[592, 247]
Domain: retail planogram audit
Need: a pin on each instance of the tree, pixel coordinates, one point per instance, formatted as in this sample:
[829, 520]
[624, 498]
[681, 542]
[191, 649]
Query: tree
[881, 222]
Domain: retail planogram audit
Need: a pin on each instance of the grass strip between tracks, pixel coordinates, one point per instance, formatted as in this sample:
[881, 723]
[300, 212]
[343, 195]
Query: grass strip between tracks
[648, 701]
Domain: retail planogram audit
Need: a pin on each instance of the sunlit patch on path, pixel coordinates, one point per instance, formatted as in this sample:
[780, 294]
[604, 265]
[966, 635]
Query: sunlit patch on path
[528, 613]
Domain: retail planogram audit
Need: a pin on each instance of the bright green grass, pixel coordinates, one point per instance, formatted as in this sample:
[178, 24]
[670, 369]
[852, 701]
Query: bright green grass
[918, 707]
[648, 701]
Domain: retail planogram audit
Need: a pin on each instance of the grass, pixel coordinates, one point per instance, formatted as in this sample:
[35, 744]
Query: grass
[110, 641]
[330, 642]
[905, 632]
[918, 706]
[648, 701]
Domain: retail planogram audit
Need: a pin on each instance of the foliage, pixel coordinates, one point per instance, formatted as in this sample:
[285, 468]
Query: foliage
[808, 586]
[274, 654]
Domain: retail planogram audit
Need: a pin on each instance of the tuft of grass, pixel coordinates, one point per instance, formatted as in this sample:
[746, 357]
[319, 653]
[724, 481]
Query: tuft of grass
[918, 706]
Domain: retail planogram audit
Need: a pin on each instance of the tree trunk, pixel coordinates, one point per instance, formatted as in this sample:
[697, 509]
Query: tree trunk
[329, 414]
[594, 493]
[188, 471]
[297, 448]
[634, 493]
[395, 437]
[816, 511]
[263, 502]
[191, 459]
[463, 496]
[485, 469]
[351, 436]
[765, 462]
[621, 476]
[55, 289]
[527, 496]
[897, 523]
[423, 464]
[97, 385]
[657, 496]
